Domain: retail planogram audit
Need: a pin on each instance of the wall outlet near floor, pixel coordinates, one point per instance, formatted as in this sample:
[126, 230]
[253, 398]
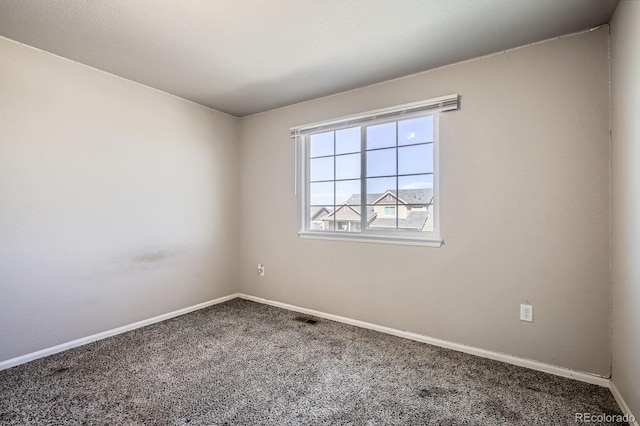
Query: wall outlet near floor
[260, 270]
[526, 313]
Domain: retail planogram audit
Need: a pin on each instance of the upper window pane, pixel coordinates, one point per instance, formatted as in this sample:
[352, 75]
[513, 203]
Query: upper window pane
[348, 166]
[348, 191]
[321, 168]
[381, 135]
[415, 130]
[415, 159]
[321, 144]
[381, 162]
[348, 140]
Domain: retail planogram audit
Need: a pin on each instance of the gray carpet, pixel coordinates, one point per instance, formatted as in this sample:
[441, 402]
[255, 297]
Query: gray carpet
[243, 363]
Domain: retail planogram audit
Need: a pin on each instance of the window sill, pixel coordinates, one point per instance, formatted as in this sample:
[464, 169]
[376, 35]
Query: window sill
[368, 238]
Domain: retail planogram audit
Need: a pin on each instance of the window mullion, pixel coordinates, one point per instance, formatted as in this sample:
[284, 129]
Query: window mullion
[335, 206]
[397, 183]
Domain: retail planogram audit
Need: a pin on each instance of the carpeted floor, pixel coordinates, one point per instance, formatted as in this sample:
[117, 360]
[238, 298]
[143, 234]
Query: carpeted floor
[243, 363]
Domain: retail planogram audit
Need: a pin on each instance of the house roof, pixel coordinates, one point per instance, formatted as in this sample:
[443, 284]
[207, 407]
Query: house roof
[316, 213]
[346, 212]
[420, 196]
[414, 221]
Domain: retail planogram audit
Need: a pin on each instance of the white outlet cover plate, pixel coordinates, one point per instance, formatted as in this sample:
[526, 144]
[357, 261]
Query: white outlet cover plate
[526, 313]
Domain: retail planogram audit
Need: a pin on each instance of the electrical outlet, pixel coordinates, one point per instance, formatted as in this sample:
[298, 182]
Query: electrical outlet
[526, 313]
[260, 270]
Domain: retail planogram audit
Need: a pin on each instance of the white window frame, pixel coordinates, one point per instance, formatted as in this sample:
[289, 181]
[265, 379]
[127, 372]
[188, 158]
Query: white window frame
[301, 135]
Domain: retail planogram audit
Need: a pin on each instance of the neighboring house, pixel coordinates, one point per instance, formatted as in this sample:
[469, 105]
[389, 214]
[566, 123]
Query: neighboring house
[411, 210]
[316, 214]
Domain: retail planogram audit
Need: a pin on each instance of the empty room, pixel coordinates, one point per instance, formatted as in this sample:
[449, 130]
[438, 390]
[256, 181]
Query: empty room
[302, 212]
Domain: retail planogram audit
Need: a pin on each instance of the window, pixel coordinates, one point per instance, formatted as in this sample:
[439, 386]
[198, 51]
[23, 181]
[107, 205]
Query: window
[374, 177]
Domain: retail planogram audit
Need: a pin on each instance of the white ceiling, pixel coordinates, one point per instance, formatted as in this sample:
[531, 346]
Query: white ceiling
[247, 56]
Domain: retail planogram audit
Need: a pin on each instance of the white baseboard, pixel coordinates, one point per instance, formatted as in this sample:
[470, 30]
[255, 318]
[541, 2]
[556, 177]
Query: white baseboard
[509, 359]
[102, 335]
[622, 403]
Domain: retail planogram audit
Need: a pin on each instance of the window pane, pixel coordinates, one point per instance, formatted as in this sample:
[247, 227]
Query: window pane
[415, 159]
[383, 217]
[417, 192]
[348, 140]
[422, 196]
[321, 144]
[321, 168]
[319, 219]
[371, 215]
[415, 217]
[381, 136]
[378, 186]
[348, 191]
[381, 162]
[415, 130]
[419, 218]
[321, 193]
[347, 218]
[348, 166]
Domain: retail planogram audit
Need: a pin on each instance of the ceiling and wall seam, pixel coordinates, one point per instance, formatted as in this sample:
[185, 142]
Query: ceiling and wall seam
[477, 58]
[117, 76]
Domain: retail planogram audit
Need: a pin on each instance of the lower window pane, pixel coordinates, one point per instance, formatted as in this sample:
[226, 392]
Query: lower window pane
[416, 189]
[347, 213]
[347, 218]
[416, 181]
[348, 191]
[377, 187]
[383, 217]
[419, 217]
[403, 217]
[320, 218]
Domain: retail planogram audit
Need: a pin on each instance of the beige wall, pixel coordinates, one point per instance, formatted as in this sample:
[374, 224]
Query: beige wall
[113, 201]
[524, 210]
[625, 120]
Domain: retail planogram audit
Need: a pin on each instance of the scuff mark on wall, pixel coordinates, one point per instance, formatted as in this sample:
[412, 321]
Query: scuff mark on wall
[152, 256]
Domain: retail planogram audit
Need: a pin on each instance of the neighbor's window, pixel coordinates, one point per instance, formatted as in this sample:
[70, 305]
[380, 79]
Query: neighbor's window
[374, 179]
